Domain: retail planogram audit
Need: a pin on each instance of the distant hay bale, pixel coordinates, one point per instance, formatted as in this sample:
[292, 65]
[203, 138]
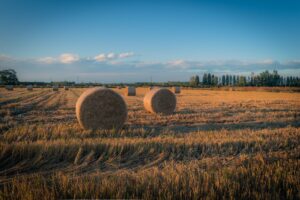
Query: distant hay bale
[29, 87]
[176, 89]
[9, 87]
[55, 87]
[101, 108]
[130, 91]
[160, 100]
[66, 87]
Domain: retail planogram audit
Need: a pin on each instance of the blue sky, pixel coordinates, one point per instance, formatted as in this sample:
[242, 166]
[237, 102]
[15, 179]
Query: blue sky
[128, 41]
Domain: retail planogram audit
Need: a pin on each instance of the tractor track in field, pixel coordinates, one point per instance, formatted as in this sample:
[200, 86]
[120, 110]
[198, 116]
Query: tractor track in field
[71, 98]
[19, 98]
[74, 93]
[56, 102]
[52, 110]
[9, 94]
[31, 104]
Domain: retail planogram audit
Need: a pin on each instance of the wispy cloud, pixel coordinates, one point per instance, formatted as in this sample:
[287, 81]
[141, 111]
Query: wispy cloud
[5, 58]
[68, 58]
[47, 60]
[112, 56]
[126, 54]
[101, 57]
[65, 58]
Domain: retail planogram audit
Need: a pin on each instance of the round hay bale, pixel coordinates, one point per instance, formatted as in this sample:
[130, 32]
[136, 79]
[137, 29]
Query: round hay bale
[130, 91]
[176, 89]
[55, 87]
[160, 100]
[66, 87]
[101, 108]
[9, 87]
[29, 87]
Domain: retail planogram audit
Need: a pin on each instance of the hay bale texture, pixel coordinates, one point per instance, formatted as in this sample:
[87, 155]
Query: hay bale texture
[101, 108]
[9, 87]
[130, 91]
[55, 87]
[29, 87]
[176, 89]
[66, 87]
[160, 100]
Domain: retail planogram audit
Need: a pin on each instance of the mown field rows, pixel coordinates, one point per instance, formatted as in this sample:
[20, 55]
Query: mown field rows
[218, 144]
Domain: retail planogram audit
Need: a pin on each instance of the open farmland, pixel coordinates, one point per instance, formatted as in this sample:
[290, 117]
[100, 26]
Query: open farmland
[218, 144]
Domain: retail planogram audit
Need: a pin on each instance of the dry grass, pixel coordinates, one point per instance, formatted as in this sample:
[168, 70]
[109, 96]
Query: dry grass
[218, 145]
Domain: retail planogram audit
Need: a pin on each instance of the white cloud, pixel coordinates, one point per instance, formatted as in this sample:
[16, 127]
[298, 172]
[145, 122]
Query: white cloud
[100, 57]
[68, 58]
[4, 57]
[267, 61]
[47, 60]
[112, 56]
[177, 62]
[126, 54]
[221, 64]
[65, 58]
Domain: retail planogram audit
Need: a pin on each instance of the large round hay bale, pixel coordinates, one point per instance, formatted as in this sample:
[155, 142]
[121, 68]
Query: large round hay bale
[160, 100]
[55, 87]
[29, 87]
[101, 108]
[9, 87]
[130, 91]
[66, 87]
[176, 89]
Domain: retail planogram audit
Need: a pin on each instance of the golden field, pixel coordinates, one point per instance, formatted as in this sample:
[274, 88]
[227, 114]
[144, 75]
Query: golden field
[218, 145]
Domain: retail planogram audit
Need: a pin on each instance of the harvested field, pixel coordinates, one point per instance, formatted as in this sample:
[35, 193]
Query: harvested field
[217, 144]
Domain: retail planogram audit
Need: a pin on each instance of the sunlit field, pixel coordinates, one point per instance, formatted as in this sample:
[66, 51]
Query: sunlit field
[217, 145]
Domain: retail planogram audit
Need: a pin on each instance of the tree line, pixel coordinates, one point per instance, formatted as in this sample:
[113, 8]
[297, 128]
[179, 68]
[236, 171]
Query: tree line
[266, 78]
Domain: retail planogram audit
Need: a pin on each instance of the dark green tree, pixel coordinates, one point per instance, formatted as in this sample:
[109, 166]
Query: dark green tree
[227, 79]
[275, 78]
[8, 77]
[233, 80]
[242, 81]
[194, 80]
[216, 81]
[197, 80]
[209, 79]
[204, 80]
[223, 80]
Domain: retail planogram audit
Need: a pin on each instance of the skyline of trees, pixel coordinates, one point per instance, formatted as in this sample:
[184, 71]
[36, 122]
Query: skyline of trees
[265, 78]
